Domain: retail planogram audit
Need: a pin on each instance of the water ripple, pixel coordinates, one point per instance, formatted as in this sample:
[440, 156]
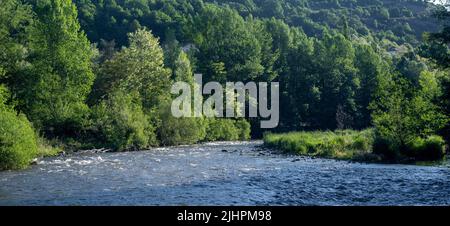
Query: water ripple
[220, 173]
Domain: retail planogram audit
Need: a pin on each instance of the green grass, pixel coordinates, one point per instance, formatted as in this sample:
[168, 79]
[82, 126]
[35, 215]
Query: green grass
[342, 145]
[48, 148]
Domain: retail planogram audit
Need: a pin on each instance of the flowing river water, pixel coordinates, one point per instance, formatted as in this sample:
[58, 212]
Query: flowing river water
[225, 173]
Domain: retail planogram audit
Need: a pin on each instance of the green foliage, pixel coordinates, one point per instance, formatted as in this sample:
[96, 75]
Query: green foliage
[340, 144]
[340, 63]
[17, 140]
[112, 20]
[404, 113]
[333, 87]
[15, 19]
[119, 122]
[428, 149]
[139, 68]
[227, 129]
[244, 129]
[4, 95]
[53, 89]
[131, 86]
[176, 131]
[216, 23]
[436, 46]
[182, 69]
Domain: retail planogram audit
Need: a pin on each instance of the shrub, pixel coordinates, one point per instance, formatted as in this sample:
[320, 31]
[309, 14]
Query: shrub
[227, 129]
[17, 140]
[433, 149]
[176, 131]
[429, 149]
[389, 149]
[221, 130]
[122, 124]
[244, 129]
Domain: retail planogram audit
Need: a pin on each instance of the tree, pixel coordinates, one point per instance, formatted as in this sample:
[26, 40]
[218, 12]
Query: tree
[129, 92]
[15, 20]
[186, 130]
[436, 44]
[272, 8]
[138, 67]
[371, 67]
[183, 70]
[335, 79]
[405, 113]
[436, 48]
[18, 144]
[172, 50]
[223, 36]
[53, 89]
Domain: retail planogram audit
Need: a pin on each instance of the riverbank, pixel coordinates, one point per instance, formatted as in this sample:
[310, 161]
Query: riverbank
[340, 145]
[358, 146]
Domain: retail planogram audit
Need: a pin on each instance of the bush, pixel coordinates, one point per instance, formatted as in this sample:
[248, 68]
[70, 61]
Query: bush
[244, 129]
[429, 149]
[176, 131]
[387, 148]
[17, 140]
[122, 124]
[418, 149]
[227, 129]
[221, 130]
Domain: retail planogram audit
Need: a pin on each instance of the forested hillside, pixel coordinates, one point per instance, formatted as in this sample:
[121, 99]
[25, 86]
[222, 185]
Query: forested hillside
[400, 21]
[97, 73]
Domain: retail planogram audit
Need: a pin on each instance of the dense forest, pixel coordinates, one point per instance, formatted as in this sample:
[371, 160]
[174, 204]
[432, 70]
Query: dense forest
[97, 73]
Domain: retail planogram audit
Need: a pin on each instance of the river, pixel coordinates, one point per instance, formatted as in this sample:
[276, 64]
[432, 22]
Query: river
[224, 173]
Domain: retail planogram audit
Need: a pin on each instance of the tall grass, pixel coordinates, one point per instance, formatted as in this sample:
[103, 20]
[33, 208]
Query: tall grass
[345, 145]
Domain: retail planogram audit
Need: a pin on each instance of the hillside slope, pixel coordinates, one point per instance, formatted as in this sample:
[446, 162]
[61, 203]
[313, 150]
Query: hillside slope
[400, 21]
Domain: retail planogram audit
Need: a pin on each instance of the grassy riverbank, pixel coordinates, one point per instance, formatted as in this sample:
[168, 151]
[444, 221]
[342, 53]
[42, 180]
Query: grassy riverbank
[343, 145]
[361, 146]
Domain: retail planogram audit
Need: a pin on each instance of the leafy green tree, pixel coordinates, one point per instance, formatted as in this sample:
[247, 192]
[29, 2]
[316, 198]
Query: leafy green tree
[436, 48]
[336, 80]
[172, 50]
[404, 112]
[371, 67]
[297, 81]
[120, 123]
[15, 20]
[52, 90]
[17, 140]
[138, 67]
[129, 91]
[272, 8]
[186, 130]
[183, 70]
[429, 115]
[223, 36]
